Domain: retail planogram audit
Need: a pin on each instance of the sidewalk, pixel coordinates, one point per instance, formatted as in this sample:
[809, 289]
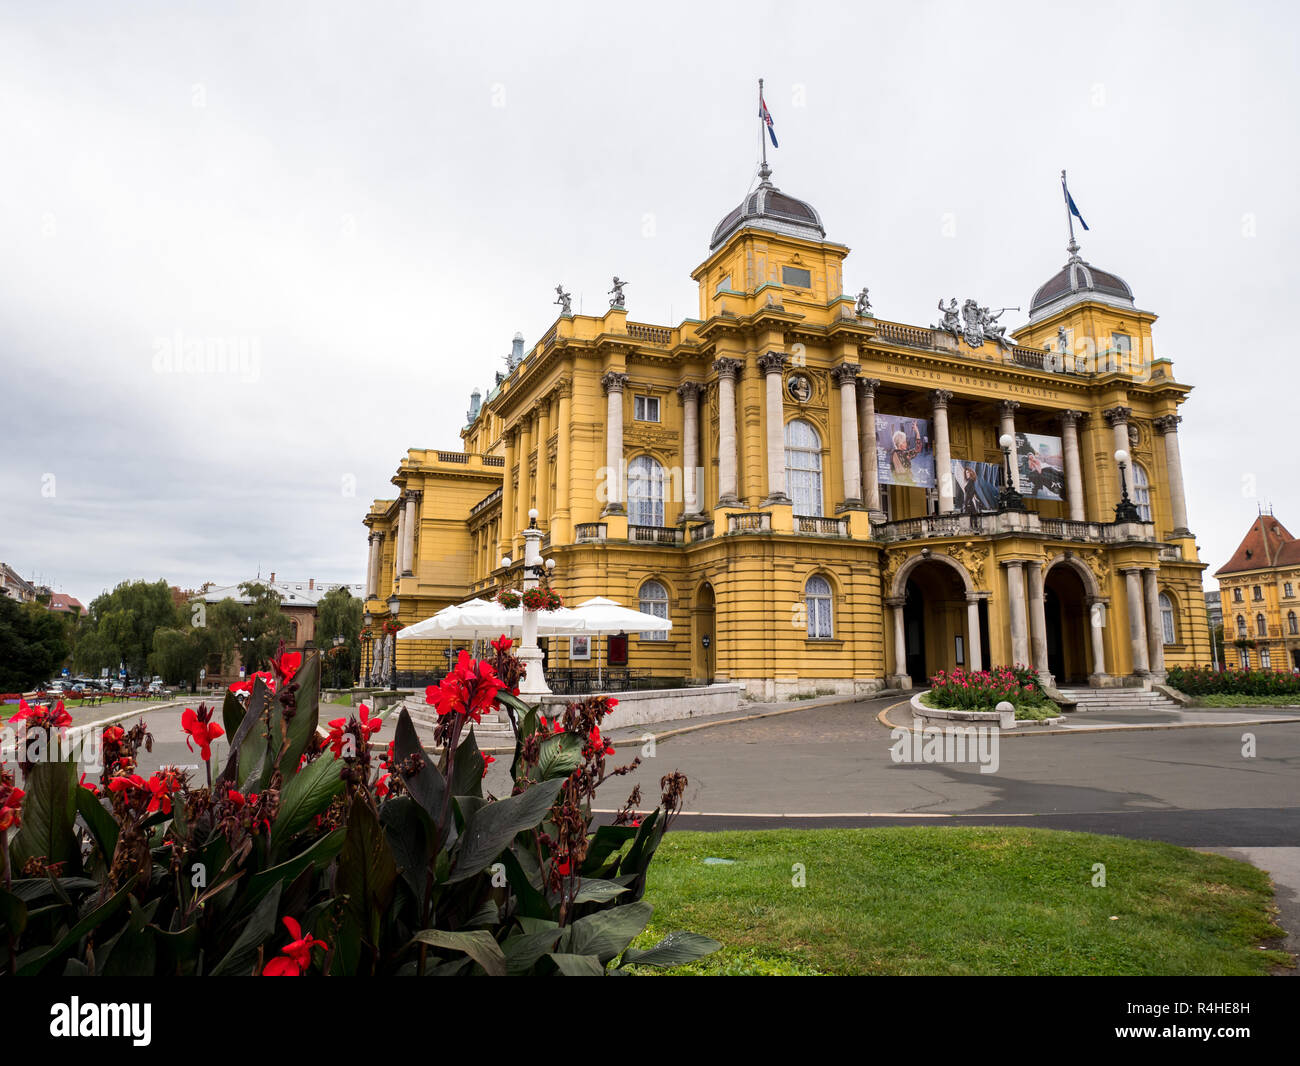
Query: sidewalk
[899, 715]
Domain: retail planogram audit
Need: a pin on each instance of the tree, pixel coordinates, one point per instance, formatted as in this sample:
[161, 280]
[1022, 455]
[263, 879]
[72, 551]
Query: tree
[121, 625]
[338, 614]
[179, 654]
[33, 645]
[257, 627]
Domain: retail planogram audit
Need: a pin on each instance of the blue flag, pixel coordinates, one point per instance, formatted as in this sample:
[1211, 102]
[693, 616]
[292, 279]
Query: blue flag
[1074, 210]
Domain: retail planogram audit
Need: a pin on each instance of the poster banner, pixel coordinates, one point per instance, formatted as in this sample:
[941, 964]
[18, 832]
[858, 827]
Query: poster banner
[1042, 467]
[975, 486]
[904, 451]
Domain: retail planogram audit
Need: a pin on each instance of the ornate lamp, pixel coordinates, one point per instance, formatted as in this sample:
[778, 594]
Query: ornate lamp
[1126, 510]
[1009, 499]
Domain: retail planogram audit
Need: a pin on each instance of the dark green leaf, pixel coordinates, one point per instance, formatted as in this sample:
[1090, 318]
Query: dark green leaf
[410, 837]
[367, 873]
[577, 965]
[49, 814]
[13, 913]
[594, 890]
[560, 756]
[306, 714]
[232, 715]
[525, 879]
[607, 933]
[427, 786]
[476, 943]
[102, 825]
[242, 957]
[467, 775]
[675, 949]
[491, 829]
[93, 920]
[522, 950]
[318, 855]
[306, 794]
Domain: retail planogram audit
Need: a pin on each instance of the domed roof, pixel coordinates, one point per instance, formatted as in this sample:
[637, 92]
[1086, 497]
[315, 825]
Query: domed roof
[767, 207]
[1079, 280]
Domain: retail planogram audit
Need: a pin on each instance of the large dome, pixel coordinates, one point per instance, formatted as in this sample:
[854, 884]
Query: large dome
[1079, 280]
[767, 207]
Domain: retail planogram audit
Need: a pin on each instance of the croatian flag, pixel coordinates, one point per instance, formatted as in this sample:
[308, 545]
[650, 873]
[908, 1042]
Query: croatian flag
[1069, 202]
[766, 116]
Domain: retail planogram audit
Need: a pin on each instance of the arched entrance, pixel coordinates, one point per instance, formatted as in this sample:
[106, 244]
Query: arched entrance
[1065, 607]
[935, 619]
[703, 644]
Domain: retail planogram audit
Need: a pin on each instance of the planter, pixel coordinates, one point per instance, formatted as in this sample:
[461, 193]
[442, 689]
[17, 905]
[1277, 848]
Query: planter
[951, 716]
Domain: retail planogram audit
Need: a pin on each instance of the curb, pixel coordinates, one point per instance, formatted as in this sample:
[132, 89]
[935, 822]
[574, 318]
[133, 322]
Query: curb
[1087, 730]
[78, 731]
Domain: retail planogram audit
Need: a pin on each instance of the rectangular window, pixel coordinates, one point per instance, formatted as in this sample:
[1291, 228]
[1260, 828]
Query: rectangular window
[1236, 595]
[1288, 590]
[724, 284]
[1245, 659]
[1257, 593]
[645, 408]
[1265, 662]
[796, 277]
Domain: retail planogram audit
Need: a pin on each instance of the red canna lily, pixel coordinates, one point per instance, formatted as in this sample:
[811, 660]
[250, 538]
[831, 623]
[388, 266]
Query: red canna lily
[381, 786]
[286, 664]
[198, 726]
[488, 760]
[470, 689]
[295, 957]
[88, 786]
[11, 801]
[503, 643]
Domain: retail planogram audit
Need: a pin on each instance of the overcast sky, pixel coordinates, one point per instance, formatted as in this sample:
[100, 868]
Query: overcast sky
[368, 200]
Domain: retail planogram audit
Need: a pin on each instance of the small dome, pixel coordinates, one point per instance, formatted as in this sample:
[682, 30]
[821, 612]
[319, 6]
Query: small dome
[767, 207]
[1079, 280]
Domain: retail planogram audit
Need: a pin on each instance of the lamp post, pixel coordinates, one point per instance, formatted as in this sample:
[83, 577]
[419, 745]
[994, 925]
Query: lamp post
[534, 680]
[1126, 510]
[1009, 499]
[367, 663]
[393, 604]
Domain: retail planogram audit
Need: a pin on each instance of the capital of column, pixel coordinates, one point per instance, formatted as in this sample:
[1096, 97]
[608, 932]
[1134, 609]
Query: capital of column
[846, 374]
[1071, 418]
[564, 387]
[613, 381]
[414, 494]
[940, 397]
[689, 390]
[895, 601]
[1167, 424]
[772, 362]
[728, 368]
[868, 385]
[1008, 408]
[1126, 570]
[1116, 414]
[976, 597]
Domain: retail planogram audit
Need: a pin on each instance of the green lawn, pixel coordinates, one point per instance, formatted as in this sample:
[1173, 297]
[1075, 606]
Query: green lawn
[937, 900]
[1226, 699]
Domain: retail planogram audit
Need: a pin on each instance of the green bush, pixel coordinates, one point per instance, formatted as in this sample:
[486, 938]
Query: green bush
[1206, 681]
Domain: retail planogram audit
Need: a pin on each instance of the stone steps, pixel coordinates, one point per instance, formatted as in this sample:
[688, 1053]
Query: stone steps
[494, 726]
[1120, 699]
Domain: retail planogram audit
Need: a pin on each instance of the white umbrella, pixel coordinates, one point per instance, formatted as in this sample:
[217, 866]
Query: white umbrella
[603, 615]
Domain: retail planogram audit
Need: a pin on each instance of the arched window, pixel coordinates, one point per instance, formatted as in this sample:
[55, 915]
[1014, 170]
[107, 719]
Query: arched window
[817, 593]
[1292, 623]
[1141, 492]
[1167, 618]
[1241, 626]
[645, 492]
[653, 599]
[1261, 626]
[803, 467]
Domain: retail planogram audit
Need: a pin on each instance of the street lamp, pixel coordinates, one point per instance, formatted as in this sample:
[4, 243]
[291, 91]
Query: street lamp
[534, 680]
[1126, 510]
[1009, 499]
[393, 604]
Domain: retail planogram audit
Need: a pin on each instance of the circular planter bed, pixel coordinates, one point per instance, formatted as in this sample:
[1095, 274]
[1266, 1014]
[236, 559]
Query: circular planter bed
[1002, 719]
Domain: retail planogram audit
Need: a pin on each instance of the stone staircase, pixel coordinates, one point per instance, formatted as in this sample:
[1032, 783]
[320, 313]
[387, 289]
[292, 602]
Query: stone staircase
[1136, 700]
[493, 731]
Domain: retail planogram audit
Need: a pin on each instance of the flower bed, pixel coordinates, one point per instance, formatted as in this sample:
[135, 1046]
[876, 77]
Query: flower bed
[983, 690]
[1206, 681]
[310, 852]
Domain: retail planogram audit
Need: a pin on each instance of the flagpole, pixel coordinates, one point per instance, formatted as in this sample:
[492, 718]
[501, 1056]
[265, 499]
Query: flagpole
[1069, 218]
[762, 132]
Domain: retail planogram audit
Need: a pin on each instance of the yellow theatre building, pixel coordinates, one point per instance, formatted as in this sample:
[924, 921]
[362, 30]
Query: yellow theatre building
[819, 499]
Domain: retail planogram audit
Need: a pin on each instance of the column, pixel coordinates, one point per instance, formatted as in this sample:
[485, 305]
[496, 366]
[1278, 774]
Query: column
[524, 494]
[1137, 625]
[400, 539]
[846, 376]
[544, 459]
[1073, 469]
[1155, 631]
[689, 392]
[613, 383]
[408, 531]
[1117, 418]
[867, 443]
[1016, 610]
[1008, 428]
[370, 567]
[974, 656]
[505, 541]
[895, 603]
[564, 392]
[771, 365]
[1038, 623]
[1097, 627]
[727, 370]
[1167, 427]
[942, 450]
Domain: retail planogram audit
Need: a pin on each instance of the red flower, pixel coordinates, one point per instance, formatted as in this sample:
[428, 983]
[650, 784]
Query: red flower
[369, 725]
[237, 798]
[503, 643]
[161, 786]
[597, 744]
[56, 717]
[121, 784]
[339, 726]
[247, 686]
[94, 789]
[11, 801]
[286, 665]
[488, 760]
[199, 726]
[295, 957]
[562, 868]
[381, 786]
[113, 733]
[470, 689]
